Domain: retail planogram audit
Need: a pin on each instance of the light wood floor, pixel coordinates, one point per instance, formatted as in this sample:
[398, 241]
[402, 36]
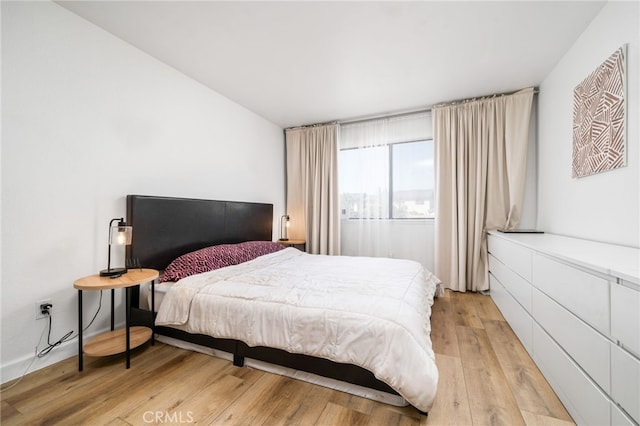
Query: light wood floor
[486, 378]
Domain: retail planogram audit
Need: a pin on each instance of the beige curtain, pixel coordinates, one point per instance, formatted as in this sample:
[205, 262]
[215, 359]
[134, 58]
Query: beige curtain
[312, 187]
[480, 152]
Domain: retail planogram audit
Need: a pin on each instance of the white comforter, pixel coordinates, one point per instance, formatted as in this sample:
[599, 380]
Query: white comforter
[371, 312]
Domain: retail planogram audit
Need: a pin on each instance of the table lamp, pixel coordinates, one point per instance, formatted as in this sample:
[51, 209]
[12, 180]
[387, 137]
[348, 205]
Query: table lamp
[119, 235]
[284, 225]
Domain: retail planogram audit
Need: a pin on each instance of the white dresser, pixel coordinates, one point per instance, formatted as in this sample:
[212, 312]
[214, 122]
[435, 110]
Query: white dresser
[575, 306]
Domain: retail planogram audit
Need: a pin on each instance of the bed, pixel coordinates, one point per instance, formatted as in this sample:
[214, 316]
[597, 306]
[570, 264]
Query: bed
[281, 307]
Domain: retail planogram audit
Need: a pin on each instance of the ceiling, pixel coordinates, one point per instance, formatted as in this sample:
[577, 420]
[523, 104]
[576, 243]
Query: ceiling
[304, 62]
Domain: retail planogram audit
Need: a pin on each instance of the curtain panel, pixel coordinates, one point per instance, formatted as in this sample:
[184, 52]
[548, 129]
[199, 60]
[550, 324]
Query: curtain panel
[372, 233]
[480, 152]
[385, 130]
[312, 187]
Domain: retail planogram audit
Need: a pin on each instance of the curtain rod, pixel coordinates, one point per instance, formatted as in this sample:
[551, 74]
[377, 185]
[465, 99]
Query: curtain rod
[423, 110]
[410, 112]
[479, 98]
[379, 116]
[307, 126]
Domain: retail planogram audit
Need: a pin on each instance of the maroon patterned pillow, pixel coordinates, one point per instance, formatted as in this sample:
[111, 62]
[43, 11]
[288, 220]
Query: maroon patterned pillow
[252, 249]
[215, 257]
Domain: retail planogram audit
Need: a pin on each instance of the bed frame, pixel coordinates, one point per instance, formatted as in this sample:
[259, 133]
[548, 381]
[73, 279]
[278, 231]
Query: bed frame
[167, 227]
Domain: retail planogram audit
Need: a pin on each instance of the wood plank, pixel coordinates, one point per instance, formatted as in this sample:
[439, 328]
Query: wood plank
[169, 394]
[254, 405]
[10, 415]
[451, 406]
[533, 419]
[443, 329]
[114, 342]
[464, 309]
[215, 397]
[37, 380]
[35, 385]
[334, 414]
[66, 381]
[209, 400]
[486, 308]
[114, 390]
[389, 415]
[407, 411]
[527, 383]
[353, 402]
[301, 404]
[131, 278]
[117, 422]
[490, 397]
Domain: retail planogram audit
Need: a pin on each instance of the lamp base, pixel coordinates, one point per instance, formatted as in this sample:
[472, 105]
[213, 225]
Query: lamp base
[113, 272]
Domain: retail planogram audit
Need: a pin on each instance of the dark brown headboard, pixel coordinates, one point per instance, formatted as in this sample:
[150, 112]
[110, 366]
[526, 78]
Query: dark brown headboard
[167, 227]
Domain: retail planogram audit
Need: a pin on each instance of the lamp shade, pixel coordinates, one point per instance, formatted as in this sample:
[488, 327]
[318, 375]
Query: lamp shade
[119, 235]
[284, 227]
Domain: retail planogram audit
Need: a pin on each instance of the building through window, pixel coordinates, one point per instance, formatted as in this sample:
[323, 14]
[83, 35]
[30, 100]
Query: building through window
[392, 181]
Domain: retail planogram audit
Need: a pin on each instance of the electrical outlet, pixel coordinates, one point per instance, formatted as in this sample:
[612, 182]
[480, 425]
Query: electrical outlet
[40, 308]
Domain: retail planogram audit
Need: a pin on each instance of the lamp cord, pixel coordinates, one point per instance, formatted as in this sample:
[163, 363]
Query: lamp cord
[50, 346]
[66, 337]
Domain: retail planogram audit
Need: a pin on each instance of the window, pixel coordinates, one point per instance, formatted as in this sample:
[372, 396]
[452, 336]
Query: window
[394, 181]
[412, 180]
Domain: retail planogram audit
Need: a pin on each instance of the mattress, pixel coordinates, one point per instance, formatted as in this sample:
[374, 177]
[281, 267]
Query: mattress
[342, 386]
[370, 312]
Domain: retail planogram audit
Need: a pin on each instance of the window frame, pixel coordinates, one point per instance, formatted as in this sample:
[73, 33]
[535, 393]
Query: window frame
[390, 209]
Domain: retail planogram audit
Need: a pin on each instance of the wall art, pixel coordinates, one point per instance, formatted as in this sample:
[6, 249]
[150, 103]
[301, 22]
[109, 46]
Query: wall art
[599, 118]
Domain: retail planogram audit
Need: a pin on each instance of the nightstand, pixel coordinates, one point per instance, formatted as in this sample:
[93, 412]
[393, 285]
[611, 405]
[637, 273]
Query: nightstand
[121, 340]
[294, 244]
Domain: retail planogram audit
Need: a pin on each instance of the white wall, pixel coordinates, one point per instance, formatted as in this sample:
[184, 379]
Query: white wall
[86, 120]
[603, 207]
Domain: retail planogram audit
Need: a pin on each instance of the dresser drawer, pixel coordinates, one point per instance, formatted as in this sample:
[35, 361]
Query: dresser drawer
[625, 317]
[519, 319]
[584, 294]
[618, 418]
[587, 347]
[584, 401]
[517, 257]
[512, 282]
[625, 381]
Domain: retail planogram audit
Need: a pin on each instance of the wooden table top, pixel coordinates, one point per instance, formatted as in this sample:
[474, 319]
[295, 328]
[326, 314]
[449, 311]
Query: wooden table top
[133, 277]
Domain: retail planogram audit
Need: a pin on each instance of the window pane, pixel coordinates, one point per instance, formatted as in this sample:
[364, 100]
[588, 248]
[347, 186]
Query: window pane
[413, 180]
[364, 183]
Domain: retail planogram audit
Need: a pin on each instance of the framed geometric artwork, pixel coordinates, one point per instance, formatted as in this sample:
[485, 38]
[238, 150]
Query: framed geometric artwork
[599, 118]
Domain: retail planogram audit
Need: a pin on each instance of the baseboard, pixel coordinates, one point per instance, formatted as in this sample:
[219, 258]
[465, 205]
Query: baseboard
[16, 368]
